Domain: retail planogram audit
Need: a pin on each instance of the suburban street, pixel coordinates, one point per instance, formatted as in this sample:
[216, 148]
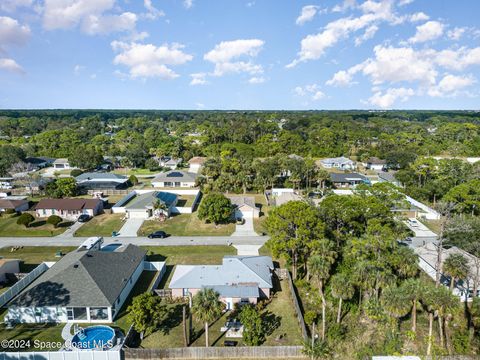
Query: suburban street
[143, 241]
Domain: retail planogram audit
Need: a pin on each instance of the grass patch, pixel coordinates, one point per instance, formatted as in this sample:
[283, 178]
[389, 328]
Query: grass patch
[32, 256]
[433, 225]
[101, 225]
[189, 255]
[186, 225]
[33, 332]
[9, 227]
[185, 200]
[128, 172]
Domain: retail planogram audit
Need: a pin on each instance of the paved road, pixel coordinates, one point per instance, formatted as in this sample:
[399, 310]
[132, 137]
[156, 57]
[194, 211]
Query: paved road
[170, 241]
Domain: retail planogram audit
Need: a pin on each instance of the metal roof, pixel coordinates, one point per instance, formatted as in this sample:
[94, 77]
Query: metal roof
[147, 200]
[234, 270]
[175, 175]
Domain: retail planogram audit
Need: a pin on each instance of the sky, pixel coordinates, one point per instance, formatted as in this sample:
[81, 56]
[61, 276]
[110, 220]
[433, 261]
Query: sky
[240, 54]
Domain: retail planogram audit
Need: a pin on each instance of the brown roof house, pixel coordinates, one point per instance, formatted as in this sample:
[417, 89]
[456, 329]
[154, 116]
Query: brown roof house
[17, 205]
[69, 209]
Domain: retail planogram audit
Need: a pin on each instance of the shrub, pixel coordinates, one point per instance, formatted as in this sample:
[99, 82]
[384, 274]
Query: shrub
[133, 180]
[76, 172]
[10, 211]
[54, 220]
[25, 219]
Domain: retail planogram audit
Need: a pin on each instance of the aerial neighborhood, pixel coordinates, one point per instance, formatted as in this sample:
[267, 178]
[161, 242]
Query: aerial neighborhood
[294, 241]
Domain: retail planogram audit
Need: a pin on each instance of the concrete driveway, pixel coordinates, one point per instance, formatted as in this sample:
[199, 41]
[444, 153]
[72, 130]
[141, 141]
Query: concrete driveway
[246, 229]
[131, 227]
[71, 230]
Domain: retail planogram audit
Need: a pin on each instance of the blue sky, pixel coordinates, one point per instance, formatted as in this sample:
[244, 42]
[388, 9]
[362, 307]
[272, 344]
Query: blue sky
[240, 54]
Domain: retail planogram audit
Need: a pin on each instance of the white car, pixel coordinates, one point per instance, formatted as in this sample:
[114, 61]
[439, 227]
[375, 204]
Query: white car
[413, 223]
[7, 186]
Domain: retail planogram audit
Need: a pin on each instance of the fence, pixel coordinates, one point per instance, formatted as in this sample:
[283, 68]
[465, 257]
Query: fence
[296, 305]
[158, 266]
[164, 293]
[247, 352]
[62, 355]
[23, 283]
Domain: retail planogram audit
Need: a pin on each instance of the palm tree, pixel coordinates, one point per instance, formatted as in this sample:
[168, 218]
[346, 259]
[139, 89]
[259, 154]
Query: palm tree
[320, 265]
[446, 303]
[160, 207]
[207, 307]
[395, 302]
[406, 262]
[414, 289]
[342, 289]
[455, 266]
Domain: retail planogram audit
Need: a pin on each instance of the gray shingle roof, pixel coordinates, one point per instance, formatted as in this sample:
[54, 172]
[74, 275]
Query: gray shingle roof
[238, 201]
[146, 200]
[99, 176]
[176, 175]
[237, 291]
[235, 270]
[83, 278]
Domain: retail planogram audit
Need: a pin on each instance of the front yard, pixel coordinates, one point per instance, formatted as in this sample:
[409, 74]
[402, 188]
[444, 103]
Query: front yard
[10, 228]
[101, 225]
[186, 225]
[32, 256]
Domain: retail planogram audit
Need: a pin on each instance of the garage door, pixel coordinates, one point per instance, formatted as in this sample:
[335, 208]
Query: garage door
[244, 213]
[137, 214]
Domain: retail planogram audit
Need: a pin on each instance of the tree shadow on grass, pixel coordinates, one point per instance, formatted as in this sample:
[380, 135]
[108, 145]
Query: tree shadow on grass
[172, 319]
[38, 223]
[271, 322]
[65, 224]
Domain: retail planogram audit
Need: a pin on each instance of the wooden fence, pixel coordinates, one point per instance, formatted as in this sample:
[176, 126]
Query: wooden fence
[296, 305]
[245, 352]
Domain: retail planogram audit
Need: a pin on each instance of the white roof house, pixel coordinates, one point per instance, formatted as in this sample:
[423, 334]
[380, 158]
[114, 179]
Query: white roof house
[175, 178]
[341, 163]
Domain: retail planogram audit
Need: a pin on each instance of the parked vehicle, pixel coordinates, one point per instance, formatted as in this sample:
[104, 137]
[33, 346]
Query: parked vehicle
[413, 223]
[84, 218]
[5, 185]
[158, 235]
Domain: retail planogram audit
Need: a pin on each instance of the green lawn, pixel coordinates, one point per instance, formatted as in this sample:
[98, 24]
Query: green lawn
[101, 225]
[185, 200]
[36, 333]
[9, 227]
[186, 225]
[189, 255]
[129, 172]
[278, 316]
[32, 256]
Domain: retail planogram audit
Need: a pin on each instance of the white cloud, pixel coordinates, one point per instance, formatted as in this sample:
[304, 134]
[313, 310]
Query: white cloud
[347, 4]
[457, 59]
[368, 34]
[99, 24]
[456, 33]
[152, 12]
[256, 80]
[148, 60]
[77, 69]
[200, 106]
[344, 78]
[12, 32]
[90, 15]
[431, 30]
[311, 91]
[223, 55]
[307, 14]
[12, 5]
[419, 16]
[386, 99]
[10, 65]
[398, 64]
[450, 85]
[198, 79]
[405, 2]
[314, 46]
[187, 4]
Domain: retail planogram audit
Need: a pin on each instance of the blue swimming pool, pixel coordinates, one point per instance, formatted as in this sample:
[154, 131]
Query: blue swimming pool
[94, 337]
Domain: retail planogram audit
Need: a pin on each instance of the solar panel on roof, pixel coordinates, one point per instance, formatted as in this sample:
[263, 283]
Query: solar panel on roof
[175, 174]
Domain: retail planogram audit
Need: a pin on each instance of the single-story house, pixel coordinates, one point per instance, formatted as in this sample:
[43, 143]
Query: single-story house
[101, 181]
[17, 205]
[175, 178]
[168, 162]
[62, 164]
[196, 163]
[39, 162]
[341, 180]
[244, 207]
[239, 279]
[142, 205]
[8, 266]
[341, 163]
[389, 176]
[428, 255]
[87, 285]
[69, 209]
[375, 163]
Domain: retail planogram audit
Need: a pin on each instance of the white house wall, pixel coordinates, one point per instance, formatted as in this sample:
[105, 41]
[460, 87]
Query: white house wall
[128, 288]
